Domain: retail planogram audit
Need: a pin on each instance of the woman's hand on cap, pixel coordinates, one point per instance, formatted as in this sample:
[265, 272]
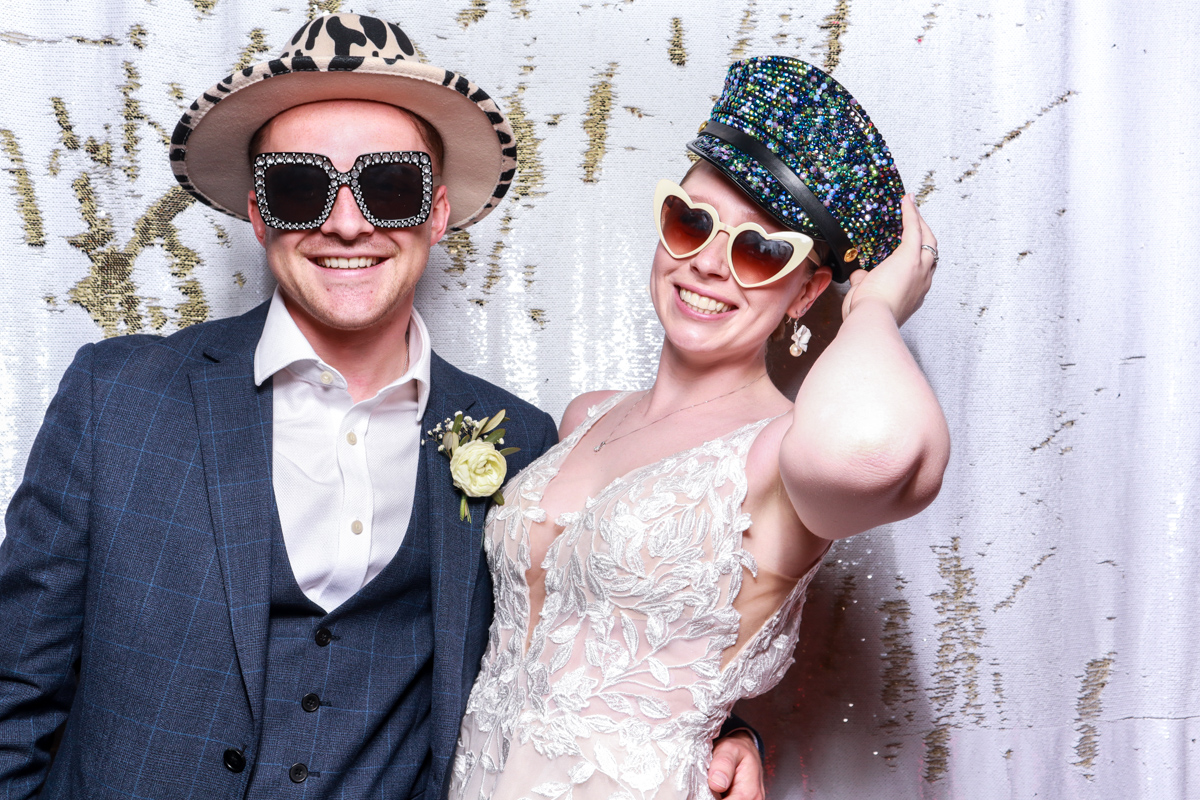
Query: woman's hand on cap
[902, 279]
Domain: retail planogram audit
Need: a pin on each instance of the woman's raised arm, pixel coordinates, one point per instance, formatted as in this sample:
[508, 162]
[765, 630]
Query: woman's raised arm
[868, 442]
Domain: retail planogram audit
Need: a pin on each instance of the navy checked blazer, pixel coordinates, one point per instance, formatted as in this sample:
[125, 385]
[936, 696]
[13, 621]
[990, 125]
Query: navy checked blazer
[135, 576]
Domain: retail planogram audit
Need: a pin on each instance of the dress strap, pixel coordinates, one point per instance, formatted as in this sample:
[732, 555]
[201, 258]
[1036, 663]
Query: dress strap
[743, 438]
[594, 413]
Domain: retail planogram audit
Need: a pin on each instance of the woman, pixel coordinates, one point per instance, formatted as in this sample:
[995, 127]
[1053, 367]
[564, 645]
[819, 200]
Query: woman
[664, 546]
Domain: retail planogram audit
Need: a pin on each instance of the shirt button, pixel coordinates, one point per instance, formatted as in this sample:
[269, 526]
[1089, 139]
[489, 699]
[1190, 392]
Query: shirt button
[323, 637]
[234, 760]
[326, 378]
[356, 527]
[298, 773]
[310, 702]
[351, 438]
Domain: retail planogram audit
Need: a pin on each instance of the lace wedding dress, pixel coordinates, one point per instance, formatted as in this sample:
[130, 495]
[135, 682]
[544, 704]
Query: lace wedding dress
[622, 688]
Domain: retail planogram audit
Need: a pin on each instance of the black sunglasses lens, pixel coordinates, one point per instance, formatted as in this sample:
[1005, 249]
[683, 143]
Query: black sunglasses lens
[757, 259]
[684, 228]
[392, 191]
[296, 192]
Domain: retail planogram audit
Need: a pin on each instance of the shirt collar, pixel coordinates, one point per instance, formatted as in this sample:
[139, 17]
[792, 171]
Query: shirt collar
[282, 345]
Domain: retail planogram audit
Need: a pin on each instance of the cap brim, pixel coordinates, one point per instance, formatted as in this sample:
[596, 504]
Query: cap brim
[736, 169]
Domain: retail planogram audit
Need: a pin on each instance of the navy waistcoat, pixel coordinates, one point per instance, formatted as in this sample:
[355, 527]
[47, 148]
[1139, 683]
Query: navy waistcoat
[342, 716]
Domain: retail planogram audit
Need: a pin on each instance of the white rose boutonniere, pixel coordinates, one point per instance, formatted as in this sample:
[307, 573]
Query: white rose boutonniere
[476, 465]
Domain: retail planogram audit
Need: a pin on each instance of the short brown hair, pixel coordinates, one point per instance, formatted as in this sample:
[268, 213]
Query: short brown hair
[429, 136]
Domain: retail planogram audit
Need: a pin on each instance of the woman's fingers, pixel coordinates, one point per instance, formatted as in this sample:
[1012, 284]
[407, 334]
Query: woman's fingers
[927, 236]
[910, 218]
[927, 252]
[856, 277]
[928, 240]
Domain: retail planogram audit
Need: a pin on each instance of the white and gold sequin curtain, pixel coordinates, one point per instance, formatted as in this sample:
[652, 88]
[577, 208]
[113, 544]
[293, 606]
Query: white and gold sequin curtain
[1030, 635]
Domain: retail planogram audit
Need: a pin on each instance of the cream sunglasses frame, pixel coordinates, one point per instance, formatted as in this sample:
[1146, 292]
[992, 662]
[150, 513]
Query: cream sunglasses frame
[801, 244]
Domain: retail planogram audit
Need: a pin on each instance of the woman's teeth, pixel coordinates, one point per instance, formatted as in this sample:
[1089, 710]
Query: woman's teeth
[702, 304]
[360, 262]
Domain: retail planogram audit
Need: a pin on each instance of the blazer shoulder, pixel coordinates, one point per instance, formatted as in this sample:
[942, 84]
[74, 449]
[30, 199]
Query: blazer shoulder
[229, 336]
[491, 397]
[484, 397]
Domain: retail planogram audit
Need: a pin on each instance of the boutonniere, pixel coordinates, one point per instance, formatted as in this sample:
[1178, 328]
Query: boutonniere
[476, 465]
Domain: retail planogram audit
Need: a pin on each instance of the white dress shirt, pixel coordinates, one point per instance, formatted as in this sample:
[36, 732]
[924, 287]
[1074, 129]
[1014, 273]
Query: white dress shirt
[344, 473]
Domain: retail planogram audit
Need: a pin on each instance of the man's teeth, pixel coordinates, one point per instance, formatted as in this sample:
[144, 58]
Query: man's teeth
[702, 304]
[348, 263]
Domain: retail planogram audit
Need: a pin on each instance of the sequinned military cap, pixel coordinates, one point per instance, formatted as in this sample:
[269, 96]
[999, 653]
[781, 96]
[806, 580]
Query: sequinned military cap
[800, 146]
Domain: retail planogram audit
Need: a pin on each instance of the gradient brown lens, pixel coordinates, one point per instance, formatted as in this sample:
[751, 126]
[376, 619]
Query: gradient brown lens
[684, 229]
[757, 259]
[392, 191]
[296, 192]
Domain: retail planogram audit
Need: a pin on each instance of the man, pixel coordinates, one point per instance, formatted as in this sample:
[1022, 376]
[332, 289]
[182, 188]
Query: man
[236, 566]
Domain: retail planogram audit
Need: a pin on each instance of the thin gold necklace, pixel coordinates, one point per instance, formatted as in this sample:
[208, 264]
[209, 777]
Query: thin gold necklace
[664, 416]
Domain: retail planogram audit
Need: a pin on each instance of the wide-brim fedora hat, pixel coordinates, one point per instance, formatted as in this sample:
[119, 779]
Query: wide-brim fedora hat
[345, 57]
[802, 148]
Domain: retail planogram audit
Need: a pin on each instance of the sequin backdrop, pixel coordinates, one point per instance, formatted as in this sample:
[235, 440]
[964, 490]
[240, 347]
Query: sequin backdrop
[1031, 634]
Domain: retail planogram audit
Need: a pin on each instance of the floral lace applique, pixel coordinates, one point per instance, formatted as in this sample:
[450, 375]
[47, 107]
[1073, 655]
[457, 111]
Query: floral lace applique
[621, 689]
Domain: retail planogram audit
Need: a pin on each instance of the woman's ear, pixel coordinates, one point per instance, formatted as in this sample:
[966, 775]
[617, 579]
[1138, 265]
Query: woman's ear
[816, 283]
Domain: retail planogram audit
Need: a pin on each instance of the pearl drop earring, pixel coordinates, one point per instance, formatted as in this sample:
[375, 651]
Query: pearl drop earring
[800, 336]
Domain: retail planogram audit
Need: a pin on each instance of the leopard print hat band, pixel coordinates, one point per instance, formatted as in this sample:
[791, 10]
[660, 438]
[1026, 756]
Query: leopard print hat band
[340, 57]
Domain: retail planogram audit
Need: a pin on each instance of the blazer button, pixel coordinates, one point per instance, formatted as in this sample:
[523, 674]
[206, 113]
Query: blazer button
[234, 760]
[298, 773]
[310, 702]
[323, 637]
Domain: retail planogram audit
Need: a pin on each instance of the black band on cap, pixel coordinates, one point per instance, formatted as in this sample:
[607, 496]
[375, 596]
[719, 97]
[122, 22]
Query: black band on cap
[833, 234]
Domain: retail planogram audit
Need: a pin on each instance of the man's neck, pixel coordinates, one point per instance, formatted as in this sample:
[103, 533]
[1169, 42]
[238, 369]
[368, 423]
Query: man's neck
[369, 358]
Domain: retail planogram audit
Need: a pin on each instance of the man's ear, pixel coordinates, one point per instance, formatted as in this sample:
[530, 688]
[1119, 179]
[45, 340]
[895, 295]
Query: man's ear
[256, 220]
[439, 214]
[811, 290]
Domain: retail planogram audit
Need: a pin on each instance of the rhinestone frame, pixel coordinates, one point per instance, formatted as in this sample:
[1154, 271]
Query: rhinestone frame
[339, 179]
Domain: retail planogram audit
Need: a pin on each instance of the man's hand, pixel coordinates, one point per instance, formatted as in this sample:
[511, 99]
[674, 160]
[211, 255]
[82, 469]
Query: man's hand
[736, 771]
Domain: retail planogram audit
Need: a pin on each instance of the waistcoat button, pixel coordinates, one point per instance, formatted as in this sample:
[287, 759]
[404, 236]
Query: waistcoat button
[310, 702]
[298, 773]
[323, 637]
[234, 760]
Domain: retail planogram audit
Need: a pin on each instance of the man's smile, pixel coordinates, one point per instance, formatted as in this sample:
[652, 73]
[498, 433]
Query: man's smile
[355, 262]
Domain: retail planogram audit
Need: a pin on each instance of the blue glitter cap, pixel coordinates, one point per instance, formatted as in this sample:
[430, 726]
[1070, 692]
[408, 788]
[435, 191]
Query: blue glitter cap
[800, 146]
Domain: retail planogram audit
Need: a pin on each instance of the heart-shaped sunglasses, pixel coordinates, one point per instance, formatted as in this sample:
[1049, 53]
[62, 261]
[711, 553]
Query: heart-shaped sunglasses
[755, 257]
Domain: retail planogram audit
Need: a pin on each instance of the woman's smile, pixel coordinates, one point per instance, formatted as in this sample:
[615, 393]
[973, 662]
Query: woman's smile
[702, 304]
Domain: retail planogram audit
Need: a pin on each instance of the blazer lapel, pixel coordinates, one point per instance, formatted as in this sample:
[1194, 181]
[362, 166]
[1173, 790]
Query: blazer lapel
[456, 548]
[234, 418]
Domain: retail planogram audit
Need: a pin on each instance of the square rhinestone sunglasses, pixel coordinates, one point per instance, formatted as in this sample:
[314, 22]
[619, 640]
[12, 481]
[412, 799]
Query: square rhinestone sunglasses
[296, 191]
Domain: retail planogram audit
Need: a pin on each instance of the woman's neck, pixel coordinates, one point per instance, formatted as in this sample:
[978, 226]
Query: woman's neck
[685, 380]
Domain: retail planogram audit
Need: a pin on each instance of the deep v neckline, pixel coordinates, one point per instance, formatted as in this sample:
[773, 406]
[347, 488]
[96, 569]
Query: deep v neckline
[577, 435]
[571, 442]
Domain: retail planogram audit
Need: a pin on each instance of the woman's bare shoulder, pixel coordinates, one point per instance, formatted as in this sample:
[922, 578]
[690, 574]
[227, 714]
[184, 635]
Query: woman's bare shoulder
[577, 410]
[762, 462]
